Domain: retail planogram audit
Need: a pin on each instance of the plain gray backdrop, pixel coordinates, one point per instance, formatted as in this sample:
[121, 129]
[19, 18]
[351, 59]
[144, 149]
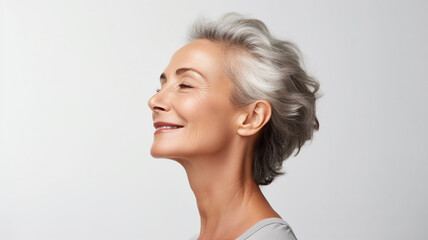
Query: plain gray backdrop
[75, 128]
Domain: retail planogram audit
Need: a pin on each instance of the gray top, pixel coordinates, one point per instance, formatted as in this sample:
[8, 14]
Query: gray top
[269, 228]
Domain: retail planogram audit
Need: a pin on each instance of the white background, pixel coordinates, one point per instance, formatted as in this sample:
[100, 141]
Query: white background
[75, 128]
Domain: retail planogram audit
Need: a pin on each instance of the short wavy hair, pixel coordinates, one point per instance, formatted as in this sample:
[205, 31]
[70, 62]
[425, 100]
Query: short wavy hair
[264, 67]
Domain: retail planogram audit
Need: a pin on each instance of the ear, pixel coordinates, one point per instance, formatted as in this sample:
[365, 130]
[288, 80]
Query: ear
[254, 117]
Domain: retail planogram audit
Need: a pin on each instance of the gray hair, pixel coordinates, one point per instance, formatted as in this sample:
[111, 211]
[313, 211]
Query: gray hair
[264, 67]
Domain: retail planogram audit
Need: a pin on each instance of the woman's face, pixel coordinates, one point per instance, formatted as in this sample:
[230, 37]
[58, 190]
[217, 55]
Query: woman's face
[192, 112]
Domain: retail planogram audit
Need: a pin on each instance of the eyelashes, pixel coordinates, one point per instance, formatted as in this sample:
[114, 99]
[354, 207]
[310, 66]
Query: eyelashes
[184, 86]
[181, 86]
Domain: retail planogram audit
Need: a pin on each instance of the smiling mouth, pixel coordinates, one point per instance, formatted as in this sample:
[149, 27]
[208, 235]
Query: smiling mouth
[165, 127]
[168, 127]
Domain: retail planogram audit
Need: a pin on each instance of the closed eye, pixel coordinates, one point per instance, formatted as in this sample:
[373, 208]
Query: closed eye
[184, 86]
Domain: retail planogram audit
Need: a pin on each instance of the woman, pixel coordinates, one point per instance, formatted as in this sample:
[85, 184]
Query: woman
[234, 103]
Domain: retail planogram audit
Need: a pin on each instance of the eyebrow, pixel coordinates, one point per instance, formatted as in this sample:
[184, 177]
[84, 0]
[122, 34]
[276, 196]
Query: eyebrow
[181, 71]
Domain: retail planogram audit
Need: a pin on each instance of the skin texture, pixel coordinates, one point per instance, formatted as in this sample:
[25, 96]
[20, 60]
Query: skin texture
[215, 140]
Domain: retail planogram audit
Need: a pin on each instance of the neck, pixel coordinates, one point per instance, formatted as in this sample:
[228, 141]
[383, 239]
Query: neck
[228, 199]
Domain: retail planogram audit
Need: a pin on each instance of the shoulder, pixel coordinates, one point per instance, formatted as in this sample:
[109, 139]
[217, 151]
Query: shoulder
[270, 228]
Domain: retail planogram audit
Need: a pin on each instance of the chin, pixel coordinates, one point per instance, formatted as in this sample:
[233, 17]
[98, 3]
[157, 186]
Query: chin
[157, 153]
[162, 152]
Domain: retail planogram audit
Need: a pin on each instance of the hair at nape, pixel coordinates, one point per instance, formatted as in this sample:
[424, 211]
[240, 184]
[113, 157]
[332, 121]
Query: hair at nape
[264, 67]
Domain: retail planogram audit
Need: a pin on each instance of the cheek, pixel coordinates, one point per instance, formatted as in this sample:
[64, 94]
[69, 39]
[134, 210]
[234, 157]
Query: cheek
[210, 122]
[208, 127]
[205, 111]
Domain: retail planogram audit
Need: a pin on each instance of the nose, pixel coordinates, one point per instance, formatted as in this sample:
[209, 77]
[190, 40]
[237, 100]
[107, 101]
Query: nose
[159, 102]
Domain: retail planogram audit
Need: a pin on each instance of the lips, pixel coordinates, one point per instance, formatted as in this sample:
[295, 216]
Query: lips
[166, 127]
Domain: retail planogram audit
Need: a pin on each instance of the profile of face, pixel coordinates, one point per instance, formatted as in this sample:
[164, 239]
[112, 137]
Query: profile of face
[192, 112]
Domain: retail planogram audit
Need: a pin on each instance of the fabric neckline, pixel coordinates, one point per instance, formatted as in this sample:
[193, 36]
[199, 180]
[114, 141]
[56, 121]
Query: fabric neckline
[259, 225]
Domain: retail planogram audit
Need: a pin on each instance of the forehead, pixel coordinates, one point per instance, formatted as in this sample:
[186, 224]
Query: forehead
[203, 55]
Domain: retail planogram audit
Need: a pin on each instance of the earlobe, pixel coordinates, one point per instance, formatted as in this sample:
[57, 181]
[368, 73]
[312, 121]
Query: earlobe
[255, 116]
